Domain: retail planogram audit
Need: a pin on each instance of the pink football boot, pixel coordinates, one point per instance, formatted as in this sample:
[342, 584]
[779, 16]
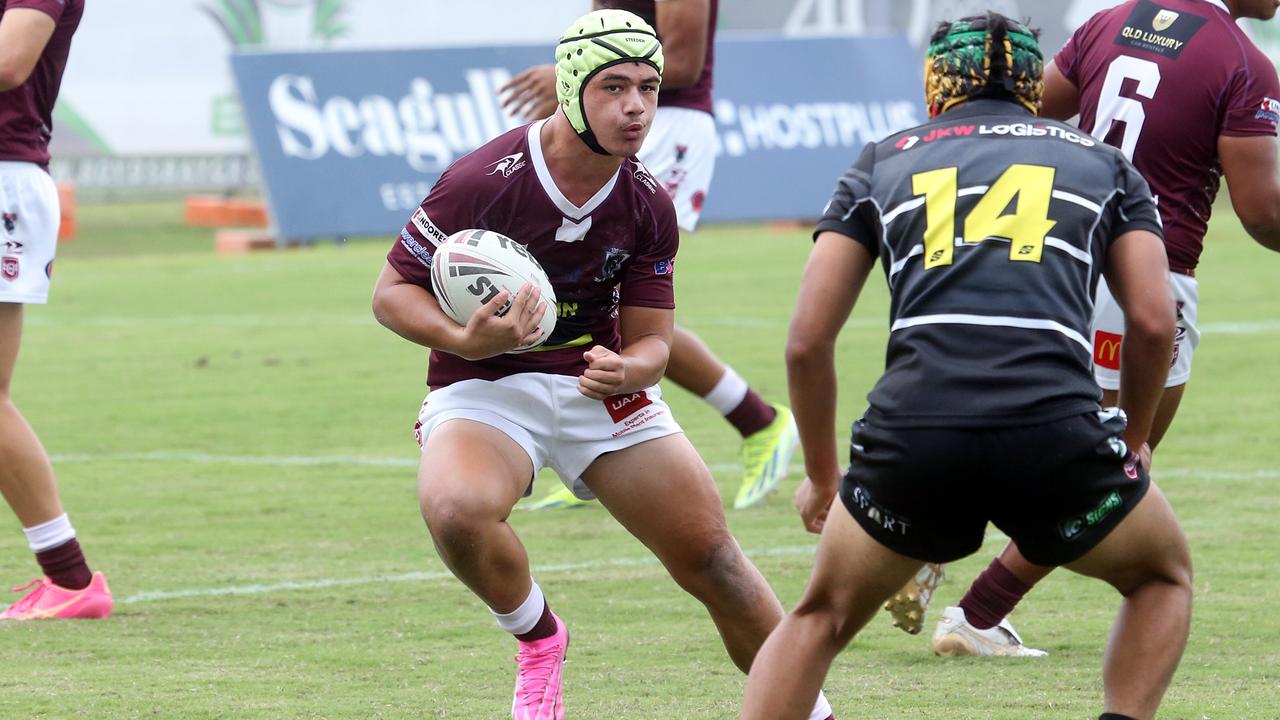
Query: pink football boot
[539, 692]
[49, 601]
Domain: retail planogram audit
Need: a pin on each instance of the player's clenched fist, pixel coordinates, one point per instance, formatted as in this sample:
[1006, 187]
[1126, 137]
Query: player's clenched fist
[604, 375]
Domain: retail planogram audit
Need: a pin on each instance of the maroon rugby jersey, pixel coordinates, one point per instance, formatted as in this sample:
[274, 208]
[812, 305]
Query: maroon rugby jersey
[1162, 81]
[698, 95]
[617, 249]
[26, 112]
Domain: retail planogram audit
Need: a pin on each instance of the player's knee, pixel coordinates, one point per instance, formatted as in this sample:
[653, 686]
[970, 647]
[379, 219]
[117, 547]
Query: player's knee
[716, 570]
[821, 610]
[1175, 567]
[1170, 567]
[454, 522]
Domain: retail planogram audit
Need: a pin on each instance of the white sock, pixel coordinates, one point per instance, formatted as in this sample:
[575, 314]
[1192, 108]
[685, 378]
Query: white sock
[522, 619]
[821, 709]
[50, 534]
[728, 393]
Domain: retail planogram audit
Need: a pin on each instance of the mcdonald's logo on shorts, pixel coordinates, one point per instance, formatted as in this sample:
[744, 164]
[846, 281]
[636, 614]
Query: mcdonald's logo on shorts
[1106, 349]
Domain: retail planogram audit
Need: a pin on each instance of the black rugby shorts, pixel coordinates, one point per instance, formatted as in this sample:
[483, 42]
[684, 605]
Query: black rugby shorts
[1055, 488]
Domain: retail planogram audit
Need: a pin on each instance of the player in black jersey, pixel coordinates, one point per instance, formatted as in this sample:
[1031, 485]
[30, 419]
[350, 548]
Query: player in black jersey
[993, 227]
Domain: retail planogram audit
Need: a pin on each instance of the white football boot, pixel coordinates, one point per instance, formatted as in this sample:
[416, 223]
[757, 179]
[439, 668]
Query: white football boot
[955, 637]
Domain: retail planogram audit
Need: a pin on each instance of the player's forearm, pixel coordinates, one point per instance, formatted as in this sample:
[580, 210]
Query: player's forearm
[1144, 365]
[811, 381]
[644, 361]
[681, 71]
[410, 312]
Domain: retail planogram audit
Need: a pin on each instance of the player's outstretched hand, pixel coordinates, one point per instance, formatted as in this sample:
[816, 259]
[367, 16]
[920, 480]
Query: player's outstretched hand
[497, 327]
[604, 375]
[531, 94]
[813, 500]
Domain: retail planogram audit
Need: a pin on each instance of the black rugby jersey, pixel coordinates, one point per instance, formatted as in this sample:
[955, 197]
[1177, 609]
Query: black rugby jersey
[992, 226]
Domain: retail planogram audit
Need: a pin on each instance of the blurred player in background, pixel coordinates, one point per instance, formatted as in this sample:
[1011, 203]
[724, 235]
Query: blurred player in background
[1184, 93]
[681, 153]
[992, 227]
[585, 403]
[35, 39]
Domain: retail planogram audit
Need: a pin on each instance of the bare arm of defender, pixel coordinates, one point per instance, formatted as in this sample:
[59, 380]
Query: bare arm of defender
[833, 278]
[1137, 272]
[411, 312]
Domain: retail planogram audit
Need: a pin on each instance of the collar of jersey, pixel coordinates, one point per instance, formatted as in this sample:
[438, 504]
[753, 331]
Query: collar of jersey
[984, 106]
[573, 212]
[1221, 5]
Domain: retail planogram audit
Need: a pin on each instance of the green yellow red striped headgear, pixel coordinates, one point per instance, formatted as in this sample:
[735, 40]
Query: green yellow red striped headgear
[983, 56]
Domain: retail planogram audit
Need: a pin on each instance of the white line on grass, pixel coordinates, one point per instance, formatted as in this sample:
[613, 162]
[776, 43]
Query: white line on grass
[309, 460]
[295, 460]
[1264, 327]
[539, 570]
[206, 458]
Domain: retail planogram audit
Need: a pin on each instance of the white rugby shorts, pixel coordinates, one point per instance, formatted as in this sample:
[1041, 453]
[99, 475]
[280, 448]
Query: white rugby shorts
[1108, 331]
[29, 221]
[557, 426]
[680, 153]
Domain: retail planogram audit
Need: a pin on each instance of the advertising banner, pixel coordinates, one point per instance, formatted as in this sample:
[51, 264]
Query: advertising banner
[349, 142]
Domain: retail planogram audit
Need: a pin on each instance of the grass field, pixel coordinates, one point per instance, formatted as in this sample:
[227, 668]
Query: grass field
[232, 438]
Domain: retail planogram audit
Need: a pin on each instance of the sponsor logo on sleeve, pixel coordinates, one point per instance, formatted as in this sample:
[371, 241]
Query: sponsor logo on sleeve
[9, 268]
[423, 223]
[1158, 30]
[507, 165]
[664, 267]
[1269, 111]
[1106, 349]
[415, 248]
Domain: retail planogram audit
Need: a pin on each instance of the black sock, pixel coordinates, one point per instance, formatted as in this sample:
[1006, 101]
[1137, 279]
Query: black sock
[1114, 716]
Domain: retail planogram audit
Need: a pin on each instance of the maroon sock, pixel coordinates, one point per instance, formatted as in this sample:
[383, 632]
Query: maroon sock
[992, 596]
[752, 415]
[65, 565]
[545, 627]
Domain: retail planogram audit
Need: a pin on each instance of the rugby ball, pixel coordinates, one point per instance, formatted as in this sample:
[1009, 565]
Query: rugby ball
[472, 266]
